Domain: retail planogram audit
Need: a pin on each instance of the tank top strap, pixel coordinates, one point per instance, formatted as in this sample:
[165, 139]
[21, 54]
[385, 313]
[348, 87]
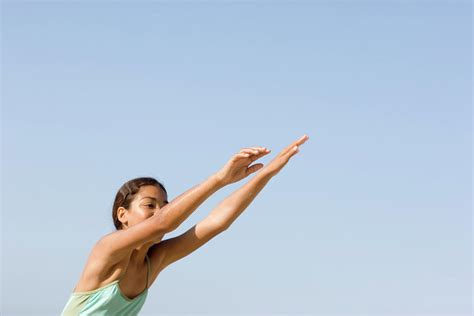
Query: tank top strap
[147, 270]
[120, 278]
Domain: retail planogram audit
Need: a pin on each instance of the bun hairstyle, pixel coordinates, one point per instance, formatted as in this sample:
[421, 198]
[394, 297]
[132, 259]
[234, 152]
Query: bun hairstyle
[126, 194]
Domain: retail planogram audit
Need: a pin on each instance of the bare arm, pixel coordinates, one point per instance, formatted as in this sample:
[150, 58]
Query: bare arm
[234, 170]
[117, 244]
[180, 208]
[173, 249]
[225, 213]
[231, 207]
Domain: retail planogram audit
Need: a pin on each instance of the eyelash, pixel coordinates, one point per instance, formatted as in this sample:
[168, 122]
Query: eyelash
[149, 205]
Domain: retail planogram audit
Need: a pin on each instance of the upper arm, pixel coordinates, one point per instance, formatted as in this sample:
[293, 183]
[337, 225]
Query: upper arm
[173, 249]
[119, 243]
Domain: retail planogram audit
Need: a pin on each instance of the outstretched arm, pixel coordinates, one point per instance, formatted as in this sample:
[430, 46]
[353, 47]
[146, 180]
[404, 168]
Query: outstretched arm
[226, 212]
[229, 209]
[180, 208]
[173, 249]
[222, 216]
[116, 245]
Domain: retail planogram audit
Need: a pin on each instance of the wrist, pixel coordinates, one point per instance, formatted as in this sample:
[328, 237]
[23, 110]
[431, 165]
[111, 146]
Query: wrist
[217, 181]
[265, 174]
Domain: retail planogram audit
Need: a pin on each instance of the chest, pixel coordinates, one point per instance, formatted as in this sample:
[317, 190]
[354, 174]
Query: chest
[132, 279]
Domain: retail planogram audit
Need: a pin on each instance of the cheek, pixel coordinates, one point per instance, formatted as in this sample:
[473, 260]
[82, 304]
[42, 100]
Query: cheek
[140, 214]
[148, 212]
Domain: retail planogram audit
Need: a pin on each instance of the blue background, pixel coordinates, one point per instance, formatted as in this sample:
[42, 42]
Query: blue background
[372, 217]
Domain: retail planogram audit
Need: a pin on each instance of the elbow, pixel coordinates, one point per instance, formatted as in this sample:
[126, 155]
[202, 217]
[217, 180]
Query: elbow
[169, 228]
[222, 228]
[164, 225]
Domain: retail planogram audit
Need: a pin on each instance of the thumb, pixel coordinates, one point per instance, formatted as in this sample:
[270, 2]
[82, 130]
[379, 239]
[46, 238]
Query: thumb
[254, 168]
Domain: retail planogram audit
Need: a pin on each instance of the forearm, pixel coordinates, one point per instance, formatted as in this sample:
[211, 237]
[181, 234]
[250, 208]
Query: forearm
[180, 208]
[225, 213]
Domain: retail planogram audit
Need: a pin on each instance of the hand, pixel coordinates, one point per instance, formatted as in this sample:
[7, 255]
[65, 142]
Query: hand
[274, 166]
[238, 168]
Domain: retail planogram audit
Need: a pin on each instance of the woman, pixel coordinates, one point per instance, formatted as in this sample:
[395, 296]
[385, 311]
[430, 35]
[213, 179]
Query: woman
[123, 264]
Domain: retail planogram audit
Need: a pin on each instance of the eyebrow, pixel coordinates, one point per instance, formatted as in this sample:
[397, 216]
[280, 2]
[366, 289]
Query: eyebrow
[150, 197]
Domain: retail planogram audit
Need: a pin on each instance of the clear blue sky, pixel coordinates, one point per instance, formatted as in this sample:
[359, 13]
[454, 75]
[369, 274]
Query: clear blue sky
[372, 217]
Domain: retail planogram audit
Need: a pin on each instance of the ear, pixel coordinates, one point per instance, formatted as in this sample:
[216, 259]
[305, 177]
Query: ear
[122, 216]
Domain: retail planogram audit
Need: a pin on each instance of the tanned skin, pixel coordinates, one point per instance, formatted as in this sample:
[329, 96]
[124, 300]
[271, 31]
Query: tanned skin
[121, 254]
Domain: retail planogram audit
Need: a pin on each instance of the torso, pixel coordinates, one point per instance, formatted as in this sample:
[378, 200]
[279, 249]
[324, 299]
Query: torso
[97, 274]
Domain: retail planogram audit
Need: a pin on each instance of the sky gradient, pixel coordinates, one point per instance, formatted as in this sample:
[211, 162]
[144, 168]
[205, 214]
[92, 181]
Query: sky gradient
[372, 217]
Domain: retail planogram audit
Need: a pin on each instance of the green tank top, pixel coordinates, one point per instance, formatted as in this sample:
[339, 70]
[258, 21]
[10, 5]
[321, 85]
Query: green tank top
[107, 300]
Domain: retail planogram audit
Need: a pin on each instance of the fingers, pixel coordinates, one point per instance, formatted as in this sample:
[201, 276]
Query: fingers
[251, 154]
[293, 148]
[254, 152]
[300, 141]
[242, 155]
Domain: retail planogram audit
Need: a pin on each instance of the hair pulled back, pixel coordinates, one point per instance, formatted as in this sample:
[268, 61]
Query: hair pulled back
[127, 192]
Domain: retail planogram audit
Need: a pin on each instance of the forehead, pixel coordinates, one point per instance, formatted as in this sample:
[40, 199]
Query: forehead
[151, 191]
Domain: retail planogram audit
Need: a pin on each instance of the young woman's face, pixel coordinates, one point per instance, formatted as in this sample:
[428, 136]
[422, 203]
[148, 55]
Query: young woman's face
[148, 201]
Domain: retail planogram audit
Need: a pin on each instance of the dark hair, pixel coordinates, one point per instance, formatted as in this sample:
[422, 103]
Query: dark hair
[126, 194]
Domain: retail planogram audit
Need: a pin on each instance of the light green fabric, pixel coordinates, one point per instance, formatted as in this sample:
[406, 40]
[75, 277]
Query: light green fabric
[107, 300]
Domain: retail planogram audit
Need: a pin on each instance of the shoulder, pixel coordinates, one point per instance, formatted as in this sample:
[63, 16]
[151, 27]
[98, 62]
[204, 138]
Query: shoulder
[98, 270]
